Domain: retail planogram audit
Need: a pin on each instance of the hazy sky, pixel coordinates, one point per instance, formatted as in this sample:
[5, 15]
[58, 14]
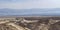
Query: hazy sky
[28, 4]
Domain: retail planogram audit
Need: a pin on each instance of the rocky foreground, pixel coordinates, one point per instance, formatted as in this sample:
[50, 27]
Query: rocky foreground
[50, 23]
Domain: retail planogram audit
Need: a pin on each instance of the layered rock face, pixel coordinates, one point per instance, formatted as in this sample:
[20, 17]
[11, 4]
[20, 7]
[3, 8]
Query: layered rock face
[30, 24]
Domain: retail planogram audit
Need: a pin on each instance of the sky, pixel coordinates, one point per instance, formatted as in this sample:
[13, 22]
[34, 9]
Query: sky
[29, 4]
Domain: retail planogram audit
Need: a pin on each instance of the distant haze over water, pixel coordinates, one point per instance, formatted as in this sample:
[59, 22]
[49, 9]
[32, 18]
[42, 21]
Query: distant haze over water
[30, 12]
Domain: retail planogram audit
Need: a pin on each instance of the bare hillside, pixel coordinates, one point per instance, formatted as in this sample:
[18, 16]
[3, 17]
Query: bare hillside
[30, 23]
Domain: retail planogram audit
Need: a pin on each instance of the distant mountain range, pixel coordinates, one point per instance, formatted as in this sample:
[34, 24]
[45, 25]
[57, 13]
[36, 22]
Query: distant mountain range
[30, 12]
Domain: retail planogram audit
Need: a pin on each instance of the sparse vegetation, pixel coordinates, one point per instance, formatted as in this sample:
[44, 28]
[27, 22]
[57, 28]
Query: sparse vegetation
[30, 23]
